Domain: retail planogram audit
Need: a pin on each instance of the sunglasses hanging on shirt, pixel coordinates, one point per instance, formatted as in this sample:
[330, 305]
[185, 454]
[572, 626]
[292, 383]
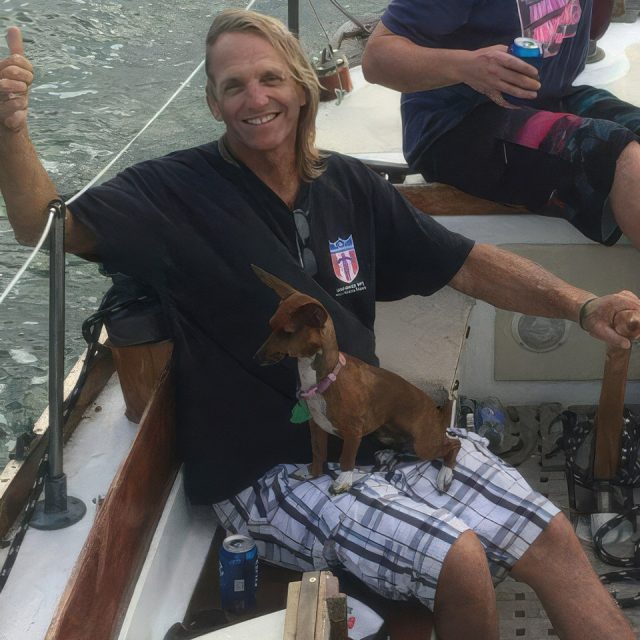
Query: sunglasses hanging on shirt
[303, 233]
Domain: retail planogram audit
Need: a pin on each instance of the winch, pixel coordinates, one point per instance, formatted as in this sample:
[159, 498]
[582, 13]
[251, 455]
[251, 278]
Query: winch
[332, 69]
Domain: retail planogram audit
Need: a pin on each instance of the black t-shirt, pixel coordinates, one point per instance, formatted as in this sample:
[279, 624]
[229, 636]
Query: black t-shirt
[190, 224]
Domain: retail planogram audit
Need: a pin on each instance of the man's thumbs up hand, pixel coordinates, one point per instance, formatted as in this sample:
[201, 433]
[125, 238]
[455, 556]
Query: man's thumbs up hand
[16, 76]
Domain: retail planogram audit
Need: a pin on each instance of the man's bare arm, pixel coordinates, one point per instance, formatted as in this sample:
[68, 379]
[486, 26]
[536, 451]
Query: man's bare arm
[511, 282]
[398, 63]
[24, 183]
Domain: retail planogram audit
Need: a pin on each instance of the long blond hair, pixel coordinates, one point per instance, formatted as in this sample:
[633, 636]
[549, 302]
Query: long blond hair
[308, 160]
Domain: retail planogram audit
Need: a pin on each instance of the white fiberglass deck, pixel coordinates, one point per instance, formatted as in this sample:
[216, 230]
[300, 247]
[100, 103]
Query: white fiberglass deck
[45, 561]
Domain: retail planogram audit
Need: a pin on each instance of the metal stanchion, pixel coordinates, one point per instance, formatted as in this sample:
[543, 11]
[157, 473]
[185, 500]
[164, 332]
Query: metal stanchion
[57, 510]
[293, 17]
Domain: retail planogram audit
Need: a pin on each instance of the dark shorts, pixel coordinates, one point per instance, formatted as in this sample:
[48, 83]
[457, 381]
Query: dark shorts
[559, 162]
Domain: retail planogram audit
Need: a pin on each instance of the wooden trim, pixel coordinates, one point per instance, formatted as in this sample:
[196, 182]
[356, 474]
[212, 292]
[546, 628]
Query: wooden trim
[95, 600]
[17, 480]
[610, 415]
[444, 200]
[139, 367]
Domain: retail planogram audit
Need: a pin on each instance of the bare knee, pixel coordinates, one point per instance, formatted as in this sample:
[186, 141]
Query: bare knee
[558, 531]
[556, 548]
[466, 549]
[465, 568]
[624, 192]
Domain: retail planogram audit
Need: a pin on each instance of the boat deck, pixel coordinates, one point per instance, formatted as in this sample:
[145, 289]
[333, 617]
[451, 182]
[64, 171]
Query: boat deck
[521, 612]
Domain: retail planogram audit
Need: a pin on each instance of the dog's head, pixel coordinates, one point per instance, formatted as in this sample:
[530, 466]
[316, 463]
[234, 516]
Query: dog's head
[296, 326]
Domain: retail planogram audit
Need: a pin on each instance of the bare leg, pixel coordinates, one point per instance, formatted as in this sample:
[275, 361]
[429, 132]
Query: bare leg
[465, 605]
[578, 605]
[625, 193]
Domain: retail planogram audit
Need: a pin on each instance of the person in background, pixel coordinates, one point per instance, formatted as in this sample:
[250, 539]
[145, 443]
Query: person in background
[483, 120]
[190, 224]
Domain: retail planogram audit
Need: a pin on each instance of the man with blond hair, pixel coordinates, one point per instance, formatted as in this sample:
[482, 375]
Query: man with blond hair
[190, 224]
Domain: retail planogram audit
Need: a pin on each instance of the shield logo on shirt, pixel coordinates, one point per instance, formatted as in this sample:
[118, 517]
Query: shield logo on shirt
[344, 259]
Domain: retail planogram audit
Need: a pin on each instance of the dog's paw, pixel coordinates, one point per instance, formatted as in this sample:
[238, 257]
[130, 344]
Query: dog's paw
[342, 483]
[444, 479]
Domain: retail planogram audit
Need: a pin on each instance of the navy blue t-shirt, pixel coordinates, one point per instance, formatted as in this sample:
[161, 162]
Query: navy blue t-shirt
[561, 25]
[190, 224]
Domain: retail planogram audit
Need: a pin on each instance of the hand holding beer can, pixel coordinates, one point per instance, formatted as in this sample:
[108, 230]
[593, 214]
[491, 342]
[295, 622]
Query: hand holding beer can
[528, 50]
[238, 560]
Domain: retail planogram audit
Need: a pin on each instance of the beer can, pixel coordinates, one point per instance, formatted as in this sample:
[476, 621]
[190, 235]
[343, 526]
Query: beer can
[238, 559]
[528, 50]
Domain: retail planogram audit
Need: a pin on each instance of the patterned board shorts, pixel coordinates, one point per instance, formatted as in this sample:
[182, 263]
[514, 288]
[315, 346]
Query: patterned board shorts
[558, 161]
[393, 529]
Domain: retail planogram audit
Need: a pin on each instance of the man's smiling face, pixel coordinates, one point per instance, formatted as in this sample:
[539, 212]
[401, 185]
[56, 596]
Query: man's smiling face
[255, 95]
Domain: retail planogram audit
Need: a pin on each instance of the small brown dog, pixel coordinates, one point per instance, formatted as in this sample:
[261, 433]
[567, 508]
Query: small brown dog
[347, 397]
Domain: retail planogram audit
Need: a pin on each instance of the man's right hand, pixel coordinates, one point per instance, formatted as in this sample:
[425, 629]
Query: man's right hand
[493, 71]
[16, 76]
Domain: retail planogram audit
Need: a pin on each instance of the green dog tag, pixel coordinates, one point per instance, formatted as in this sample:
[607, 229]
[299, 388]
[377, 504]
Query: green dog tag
[300, 413]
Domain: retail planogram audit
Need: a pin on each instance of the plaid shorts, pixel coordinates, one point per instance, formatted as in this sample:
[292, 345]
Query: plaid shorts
[557, 160]
[393, 529]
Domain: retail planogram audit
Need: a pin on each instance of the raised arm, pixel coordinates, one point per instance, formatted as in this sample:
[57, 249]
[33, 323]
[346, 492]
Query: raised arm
[511, 282]
[398, 63]
[24, 183]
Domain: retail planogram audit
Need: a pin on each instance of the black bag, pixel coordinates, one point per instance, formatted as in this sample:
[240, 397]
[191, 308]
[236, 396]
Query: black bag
[131, 313]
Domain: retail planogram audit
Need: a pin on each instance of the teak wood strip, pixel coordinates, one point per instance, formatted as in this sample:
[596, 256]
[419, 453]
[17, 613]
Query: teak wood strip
[330, 623]
[322, 620]
[308, 606]
[291, 615]
[139, 366]
[610, 414]
[14, 496]
[95, 600]
[444, 200]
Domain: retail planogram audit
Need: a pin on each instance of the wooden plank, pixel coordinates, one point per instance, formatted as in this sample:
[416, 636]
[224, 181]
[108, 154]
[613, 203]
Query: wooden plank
[18, 478]
[610, 415]
[444, 200]
[139, 366]
[95, 600]
[308, 606]
[322, 619]
[333, 605]
[291, 615]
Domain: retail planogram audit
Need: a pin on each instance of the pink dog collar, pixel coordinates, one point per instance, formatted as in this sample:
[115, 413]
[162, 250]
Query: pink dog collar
[325, 383]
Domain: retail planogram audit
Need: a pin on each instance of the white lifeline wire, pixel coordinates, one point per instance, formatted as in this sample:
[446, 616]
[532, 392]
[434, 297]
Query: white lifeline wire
[33, 254]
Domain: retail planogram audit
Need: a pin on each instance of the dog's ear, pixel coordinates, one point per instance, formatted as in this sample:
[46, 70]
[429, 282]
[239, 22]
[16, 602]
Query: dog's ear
[283, 289]
[312, 314]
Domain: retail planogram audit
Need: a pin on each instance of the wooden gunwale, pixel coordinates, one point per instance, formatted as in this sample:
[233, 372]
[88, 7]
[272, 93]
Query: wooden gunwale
[95, 599]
